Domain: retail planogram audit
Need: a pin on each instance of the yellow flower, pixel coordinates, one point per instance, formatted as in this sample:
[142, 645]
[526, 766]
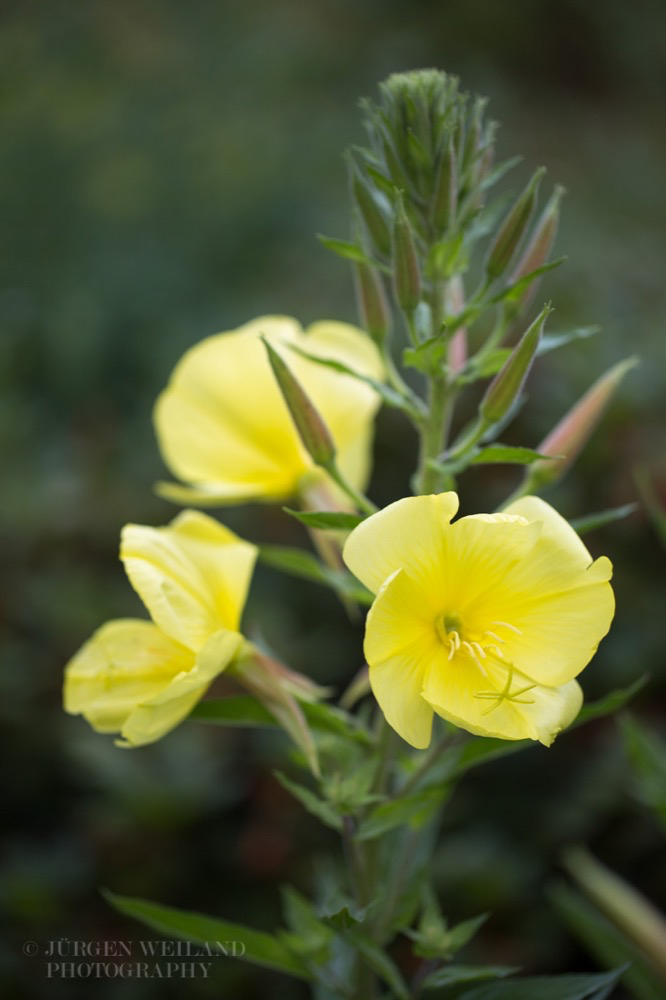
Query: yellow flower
[486, 621]
[142, 678]
[224, 428]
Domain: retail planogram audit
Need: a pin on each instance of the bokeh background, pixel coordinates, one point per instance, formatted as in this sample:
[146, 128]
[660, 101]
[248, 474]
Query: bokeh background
[165, 167]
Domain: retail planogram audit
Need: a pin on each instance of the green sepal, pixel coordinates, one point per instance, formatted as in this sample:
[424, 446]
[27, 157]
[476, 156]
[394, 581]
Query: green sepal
[350, 251]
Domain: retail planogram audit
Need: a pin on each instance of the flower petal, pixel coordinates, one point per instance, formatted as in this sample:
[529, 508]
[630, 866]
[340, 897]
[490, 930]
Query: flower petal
[400, 644]
[558, 599]
[472, 698]
[156, 716]
[407, 534]
[192, 575]
[222, 423]
[125, 663]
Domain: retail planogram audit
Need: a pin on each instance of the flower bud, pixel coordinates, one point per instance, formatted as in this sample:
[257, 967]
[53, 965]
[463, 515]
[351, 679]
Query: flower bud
[567, 439]
[375, 222]
[538, 249]
[446, 191]
[406, 277]
[513, 228]
[455, 302]
[507, 385]
[372, 304]
[311, 428]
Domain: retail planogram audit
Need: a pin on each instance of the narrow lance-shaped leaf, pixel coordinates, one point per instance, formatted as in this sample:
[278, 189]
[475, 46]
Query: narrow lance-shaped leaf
[253, 946]
[537, 251]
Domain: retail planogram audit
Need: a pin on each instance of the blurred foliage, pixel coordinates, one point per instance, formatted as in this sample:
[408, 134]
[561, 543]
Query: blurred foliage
[165, 168]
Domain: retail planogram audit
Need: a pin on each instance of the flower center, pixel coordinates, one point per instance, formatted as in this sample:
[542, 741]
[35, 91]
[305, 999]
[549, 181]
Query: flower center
[456, 638]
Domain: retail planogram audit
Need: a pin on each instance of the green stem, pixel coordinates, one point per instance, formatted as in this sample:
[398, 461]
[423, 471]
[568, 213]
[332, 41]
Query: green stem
[433, 434]
[361, 501]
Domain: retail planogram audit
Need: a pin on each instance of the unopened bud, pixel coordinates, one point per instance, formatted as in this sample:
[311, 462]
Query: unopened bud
[406, 277]
[507, 385]
[568, 438]
[446, 191]
[514, 227]
[537, 251]
[309, 423]
[373, 217]
[372, 302]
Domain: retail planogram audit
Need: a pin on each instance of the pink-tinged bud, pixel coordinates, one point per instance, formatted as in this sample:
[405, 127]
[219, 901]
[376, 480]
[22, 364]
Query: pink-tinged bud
[406, 275]
[514, 227]
[310, 425]
[538, 249]
[372, 302]
[506, 387]
[568, 438]
[279, 689]
[455, 302]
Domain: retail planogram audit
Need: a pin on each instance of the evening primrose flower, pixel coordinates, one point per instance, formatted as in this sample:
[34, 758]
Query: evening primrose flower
[142, 678]
[486, 621]
[224, 428]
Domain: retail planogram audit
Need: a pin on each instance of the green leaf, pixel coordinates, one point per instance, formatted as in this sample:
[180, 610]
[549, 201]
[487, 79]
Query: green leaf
[428, 357]
[513, 292]
[298, 562]
[505, 453]
[259, 947]
[551, 341]
[647, 753]
[236, 710]
[606, 942]
[311, 935]
[462, 933]
[378, 960]
[484, 365]
[454, 975]
[347, 250]
[388, 395]
[499, 171]
[652, 502]
[325, 520]
[611, 703]
[594, 987]
[242, 710]
[590, 522]
[318, 807]
[412, 810]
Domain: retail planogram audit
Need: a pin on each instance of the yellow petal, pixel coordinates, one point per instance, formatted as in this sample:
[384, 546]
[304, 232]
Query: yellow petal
[125, 663]
[156, 716]
[558, 599]
[407, 534]
[478, 699]
[192, 575]
[222, 423]
[400, 644]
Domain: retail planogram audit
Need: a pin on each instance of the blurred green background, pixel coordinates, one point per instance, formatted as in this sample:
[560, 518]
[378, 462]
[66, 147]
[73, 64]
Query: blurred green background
[164, 169]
